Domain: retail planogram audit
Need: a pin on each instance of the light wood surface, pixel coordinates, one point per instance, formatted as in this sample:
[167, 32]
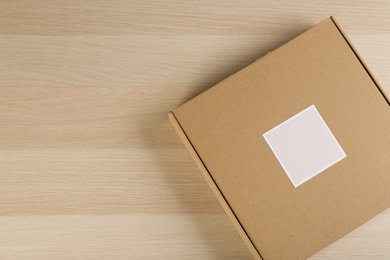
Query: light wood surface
[90, 167]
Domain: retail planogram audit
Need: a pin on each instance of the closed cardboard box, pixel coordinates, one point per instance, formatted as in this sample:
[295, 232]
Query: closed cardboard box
[295, 146]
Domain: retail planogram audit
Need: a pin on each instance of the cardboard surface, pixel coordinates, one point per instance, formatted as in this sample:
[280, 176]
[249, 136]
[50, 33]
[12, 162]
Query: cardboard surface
[224, 125]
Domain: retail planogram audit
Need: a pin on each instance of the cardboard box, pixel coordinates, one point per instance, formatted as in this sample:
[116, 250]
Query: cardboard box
[295, 146]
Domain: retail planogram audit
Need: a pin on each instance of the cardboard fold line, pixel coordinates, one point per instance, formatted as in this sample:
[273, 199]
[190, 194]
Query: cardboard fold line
[359, 57]
[221, 199]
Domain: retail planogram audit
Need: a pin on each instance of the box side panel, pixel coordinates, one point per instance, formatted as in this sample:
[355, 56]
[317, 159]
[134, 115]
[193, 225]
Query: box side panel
[374, 79]
[213, 186]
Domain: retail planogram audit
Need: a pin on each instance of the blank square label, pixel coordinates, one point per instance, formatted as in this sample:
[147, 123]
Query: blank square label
[304, 145]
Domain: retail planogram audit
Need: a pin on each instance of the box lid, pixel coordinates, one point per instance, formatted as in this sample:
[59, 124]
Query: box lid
[225, 125]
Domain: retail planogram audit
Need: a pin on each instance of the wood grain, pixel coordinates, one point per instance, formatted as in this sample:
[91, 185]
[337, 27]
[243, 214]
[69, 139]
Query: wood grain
[90, 167]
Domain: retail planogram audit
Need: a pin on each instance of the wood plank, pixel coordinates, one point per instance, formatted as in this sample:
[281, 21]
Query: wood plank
[138, 236]
[186, 61]
[102, 181]
[118, 17]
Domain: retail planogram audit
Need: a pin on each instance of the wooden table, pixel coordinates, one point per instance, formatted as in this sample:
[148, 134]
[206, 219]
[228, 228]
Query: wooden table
[90, 167]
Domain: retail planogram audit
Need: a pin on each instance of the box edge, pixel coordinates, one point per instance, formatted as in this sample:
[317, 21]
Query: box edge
[213, 186]
[361, 60]
[218, 88]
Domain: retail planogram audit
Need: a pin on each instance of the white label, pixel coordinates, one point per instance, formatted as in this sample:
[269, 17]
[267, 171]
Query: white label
[304, 145]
